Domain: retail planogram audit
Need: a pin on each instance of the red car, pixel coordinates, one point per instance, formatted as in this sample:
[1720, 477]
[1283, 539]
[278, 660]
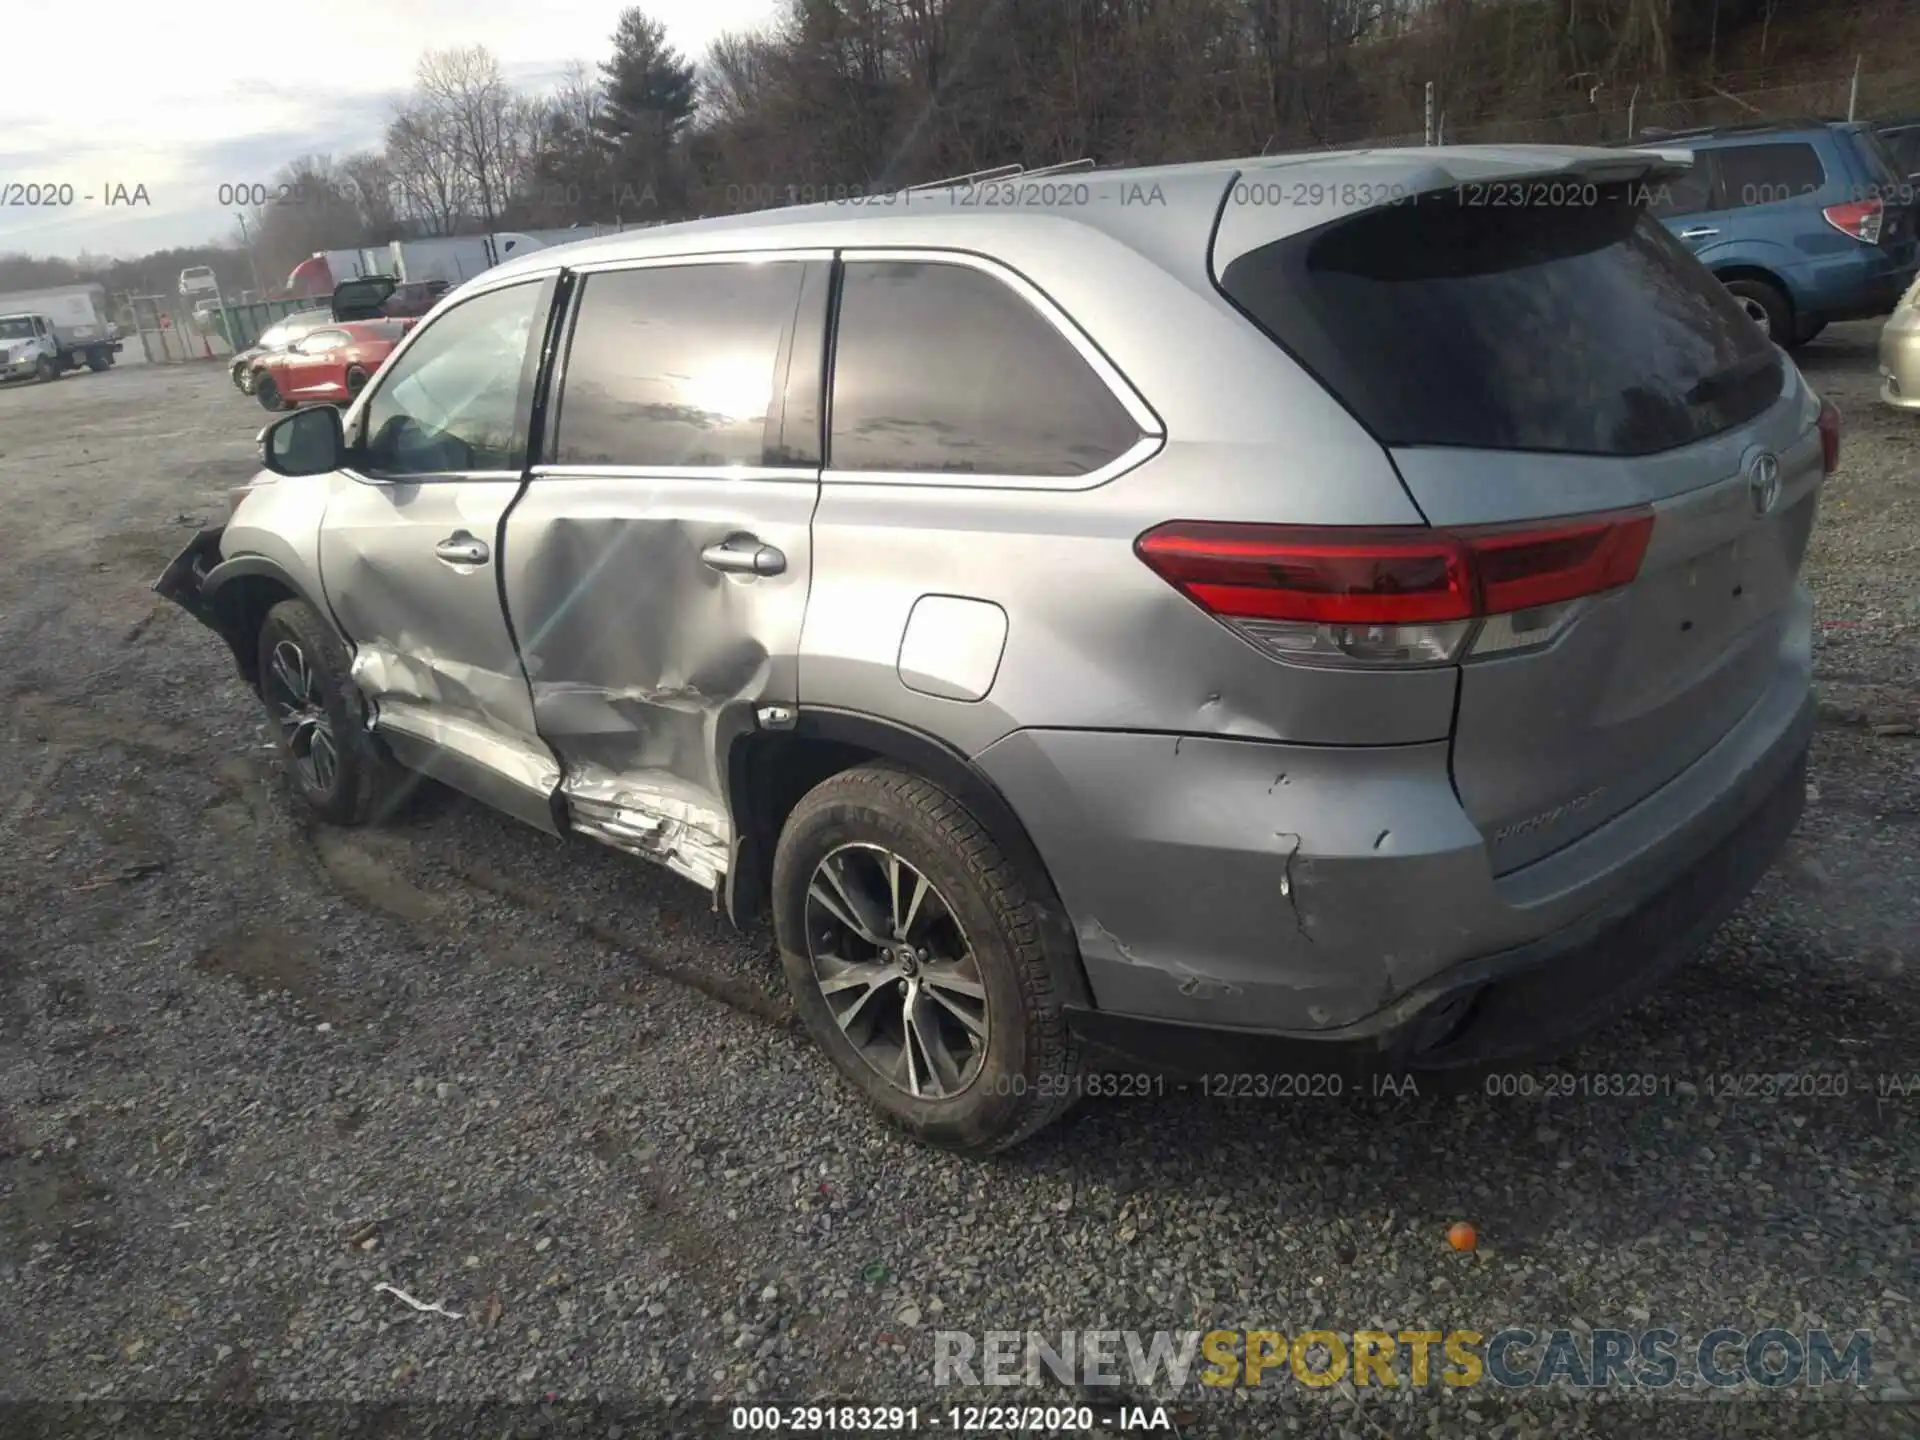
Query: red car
[329, 365]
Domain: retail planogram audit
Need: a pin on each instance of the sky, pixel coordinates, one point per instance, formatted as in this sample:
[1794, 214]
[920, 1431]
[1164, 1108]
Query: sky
[112, 96]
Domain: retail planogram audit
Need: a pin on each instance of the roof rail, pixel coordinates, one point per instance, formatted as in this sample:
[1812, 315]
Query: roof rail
[972, 177]
[1065, 167]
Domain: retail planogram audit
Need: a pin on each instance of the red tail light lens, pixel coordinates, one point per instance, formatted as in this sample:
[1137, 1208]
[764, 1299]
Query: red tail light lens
[1829, 424]
[1861, 219]
[1393, 595]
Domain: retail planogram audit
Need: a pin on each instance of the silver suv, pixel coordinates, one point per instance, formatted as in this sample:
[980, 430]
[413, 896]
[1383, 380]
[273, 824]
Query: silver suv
[1336, 612]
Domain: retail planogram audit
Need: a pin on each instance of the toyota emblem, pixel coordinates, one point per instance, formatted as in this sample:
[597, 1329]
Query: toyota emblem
[1763, 482]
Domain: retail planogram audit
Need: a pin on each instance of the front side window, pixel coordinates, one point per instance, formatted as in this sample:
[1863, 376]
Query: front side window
[1688, 193]
[322, 340]
[941, 368]
[676, 365]
[454, 400]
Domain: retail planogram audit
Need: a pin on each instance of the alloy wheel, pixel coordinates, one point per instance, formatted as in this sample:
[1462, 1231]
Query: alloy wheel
[294, 693]
[897, 971]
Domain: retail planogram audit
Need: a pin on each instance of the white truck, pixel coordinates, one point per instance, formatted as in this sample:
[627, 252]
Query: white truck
[48, 332]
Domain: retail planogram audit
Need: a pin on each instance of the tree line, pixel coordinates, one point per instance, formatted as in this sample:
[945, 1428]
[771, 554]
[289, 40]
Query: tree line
[845, 96]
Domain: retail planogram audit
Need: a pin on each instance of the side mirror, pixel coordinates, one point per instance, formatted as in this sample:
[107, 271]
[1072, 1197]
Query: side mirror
[307, 442]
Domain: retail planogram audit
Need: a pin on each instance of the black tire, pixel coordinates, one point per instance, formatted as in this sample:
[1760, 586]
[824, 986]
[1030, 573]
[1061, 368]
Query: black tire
[356, 380]
[98, 360]
[1026, 1073]
[299, 651]
[267, 393]
[1768, 307]
[249, 381]
[46, 372]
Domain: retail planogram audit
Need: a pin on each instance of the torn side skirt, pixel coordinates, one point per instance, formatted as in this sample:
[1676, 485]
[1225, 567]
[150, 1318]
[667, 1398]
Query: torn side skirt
[655, 819]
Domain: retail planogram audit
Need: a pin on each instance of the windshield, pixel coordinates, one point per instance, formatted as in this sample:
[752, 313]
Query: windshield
[16, 327]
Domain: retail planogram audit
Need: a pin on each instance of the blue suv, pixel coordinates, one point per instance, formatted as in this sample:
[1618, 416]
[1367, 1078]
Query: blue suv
[1806, 222]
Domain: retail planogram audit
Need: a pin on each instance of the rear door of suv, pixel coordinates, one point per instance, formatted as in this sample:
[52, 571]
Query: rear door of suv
[1523, 365]
[658, 565]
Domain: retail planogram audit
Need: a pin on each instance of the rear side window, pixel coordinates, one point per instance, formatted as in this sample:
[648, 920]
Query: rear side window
[1686, 194]
[1766, 174]
[675, 365]
[1583, 329]
[941, 368]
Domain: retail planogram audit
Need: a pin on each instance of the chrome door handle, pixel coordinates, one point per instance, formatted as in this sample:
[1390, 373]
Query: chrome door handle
[1698, 232]
[460, 548]
[744, 555]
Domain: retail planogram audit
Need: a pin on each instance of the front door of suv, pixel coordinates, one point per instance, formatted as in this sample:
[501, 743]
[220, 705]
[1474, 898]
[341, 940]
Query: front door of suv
[409, 549]
[658, 565]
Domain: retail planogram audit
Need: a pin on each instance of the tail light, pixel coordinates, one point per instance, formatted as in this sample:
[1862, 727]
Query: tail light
[1829, 425]
[1861, 219]
[1402, 595]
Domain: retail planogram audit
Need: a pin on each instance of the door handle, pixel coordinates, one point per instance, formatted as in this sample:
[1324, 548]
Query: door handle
[1698, 232]
[744, 555]
[460, 548]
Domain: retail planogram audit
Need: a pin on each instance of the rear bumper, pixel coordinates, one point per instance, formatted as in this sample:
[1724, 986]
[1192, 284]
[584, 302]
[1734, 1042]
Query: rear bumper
[1525, 1001]
[1861, 290]
[1900, 360]
[1340, 895]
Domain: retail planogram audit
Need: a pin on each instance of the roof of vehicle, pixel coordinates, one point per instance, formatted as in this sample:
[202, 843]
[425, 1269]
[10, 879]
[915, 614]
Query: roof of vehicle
[1747, 129]
[1141, 206]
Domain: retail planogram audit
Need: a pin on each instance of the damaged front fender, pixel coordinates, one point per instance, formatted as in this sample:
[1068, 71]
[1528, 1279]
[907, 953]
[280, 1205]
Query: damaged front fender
[186, 582]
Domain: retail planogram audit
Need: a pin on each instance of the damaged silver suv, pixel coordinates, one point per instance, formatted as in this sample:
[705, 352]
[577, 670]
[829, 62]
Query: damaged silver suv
[1290, 612]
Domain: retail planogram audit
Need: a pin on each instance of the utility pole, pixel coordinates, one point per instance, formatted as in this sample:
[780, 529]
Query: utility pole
[253, 262]
[1429, 112]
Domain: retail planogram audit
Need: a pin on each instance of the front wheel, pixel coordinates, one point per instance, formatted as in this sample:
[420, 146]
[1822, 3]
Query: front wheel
[46, 371]
[342, 771]
[913, 953]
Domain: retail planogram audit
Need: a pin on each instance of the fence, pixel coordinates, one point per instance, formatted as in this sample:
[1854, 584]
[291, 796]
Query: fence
[1619, 115]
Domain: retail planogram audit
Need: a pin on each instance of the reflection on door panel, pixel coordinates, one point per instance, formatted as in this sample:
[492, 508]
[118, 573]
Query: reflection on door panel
[648, 636]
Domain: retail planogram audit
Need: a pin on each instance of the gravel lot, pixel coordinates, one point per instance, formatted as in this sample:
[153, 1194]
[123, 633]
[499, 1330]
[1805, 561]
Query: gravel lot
[249, 1069]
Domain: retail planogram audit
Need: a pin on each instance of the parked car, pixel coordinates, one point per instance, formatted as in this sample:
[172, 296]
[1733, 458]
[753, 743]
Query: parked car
[1901, 138]
[370, 297]
[329, 365]
[243, 369]
[1073, 624]
[1805, 222]
[1900, 353]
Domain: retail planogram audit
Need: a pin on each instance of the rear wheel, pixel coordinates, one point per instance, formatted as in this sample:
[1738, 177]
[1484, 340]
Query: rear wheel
[267, 393]
[356, 379]
[1766, 307]
[97, 360]
[342, 771]
[914, 955]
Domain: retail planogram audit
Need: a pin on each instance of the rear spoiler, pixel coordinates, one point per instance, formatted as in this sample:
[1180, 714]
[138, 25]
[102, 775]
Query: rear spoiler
[1272, 200]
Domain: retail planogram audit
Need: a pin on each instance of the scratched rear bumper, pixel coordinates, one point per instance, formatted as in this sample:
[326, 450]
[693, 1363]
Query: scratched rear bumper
[1335, 893]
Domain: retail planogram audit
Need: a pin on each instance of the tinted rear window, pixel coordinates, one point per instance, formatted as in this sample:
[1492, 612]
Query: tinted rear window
[1767, 174]
[1583, 329]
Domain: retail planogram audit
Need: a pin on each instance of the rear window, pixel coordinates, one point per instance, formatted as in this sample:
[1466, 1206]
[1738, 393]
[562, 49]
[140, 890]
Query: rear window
[1582, 329]
[1767, 174]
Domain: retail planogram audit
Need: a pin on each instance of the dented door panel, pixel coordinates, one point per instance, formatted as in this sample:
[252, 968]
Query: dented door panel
[431, 647]
[645, 661]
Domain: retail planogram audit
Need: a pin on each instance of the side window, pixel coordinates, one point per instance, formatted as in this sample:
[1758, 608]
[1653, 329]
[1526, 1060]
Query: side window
[321, 340]
[676, 365]
[1687, 194]
[942, 368]
[1765, 174]
[454, 401]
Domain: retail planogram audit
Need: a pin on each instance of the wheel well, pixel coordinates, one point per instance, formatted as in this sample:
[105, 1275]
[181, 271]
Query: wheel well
[769, 772]
[243, 603]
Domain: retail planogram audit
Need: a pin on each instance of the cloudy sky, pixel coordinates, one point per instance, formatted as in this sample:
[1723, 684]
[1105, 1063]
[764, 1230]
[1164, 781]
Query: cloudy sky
[182, 96]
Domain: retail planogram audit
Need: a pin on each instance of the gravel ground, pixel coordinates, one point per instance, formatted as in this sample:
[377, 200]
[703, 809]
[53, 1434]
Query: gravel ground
[249, 1070]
